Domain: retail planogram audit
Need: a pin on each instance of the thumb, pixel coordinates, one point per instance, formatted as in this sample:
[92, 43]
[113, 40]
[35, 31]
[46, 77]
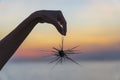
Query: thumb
[59, 28]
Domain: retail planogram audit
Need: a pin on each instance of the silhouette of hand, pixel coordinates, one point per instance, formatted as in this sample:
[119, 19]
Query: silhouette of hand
[53, 17]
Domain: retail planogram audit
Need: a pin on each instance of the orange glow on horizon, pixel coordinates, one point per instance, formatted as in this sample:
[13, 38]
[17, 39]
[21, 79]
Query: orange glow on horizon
[87, 44]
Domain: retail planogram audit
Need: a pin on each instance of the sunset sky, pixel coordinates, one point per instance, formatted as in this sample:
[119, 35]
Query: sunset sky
[92, 24]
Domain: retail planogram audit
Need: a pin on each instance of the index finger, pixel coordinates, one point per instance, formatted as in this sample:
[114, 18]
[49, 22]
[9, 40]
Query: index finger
[63, 22]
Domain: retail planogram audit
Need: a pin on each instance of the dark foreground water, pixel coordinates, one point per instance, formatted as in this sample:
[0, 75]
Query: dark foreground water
[66, 71]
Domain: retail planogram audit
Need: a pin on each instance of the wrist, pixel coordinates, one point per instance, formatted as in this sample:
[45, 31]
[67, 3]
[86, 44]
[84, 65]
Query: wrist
[37, 17]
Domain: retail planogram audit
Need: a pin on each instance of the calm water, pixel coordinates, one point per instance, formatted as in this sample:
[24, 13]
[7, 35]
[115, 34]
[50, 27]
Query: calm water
[65, 71]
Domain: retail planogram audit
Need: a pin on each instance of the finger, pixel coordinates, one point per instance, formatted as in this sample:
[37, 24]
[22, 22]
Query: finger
[59, 28]
[52, 20]
[63, 22]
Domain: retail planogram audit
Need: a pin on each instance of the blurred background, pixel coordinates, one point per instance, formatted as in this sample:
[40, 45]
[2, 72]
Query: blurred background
[92, 24]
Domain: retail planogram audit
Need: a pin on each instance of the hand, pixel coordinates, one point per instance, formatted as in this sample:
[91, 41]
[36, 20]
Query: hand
[53, 17]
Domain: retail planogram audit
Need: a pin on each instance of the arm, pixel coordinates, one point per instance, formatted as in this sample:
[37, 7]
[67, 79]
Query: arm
[13, 40]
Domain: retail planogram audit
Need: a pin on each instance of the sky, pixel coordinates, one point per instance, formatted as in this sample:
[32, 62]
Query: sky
[92, 24]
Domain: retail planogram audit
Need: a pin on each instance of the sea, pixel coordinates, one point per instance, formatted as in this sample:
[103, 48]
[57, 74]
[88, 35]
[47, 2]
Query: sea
[87, 70]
